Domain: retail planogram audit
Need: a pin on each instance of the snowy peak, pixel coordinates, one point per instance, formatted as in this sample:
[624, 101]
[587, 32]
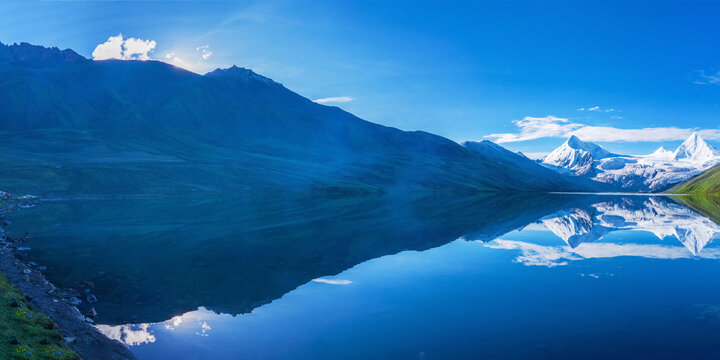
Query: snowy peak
[695, 149]
[655, 171]
[595, 150]
[576, 155]
[662, 153]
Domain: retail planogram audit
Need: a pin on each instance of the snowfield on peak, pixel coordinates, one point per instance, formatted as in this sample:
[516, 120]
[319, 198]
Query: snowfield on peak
[576, 155]
[653, 172]
[695, 149]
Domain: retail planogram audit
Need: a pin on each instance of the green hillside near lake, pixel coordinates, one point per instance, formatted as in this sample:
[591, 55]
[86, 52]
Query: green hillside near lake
[705, 183]
[707, 205]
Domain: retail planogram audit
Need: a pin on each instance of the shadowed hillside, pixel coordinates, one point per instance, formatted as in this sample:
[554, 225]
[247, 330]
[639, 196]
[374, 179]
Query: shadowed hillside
[75, 126]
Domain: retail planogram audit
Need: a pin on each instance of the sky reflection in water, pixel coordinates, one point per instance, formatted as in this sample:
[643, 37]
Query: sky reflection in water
[614, 277]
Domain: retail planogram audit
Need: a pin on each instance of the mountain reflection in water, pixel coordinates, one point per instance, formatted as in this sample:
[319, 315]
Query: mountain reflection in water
[174, 278]
[666, 219]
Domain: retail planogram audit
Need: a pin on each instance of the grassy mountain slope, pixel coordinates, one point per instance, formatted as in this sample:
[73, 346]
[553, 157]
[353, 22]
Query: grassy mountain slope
[705, 183]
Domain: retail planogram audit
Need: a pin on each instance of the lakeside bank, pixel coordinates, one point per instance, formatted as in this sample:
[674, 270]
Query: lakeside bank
[65, 328]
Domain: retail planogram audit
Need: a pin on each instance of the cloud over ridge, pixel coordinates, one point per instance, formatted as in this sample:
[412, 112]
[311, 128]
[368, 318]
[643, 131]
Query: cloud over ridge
[340, 99]
[532, 128]
[124, 49]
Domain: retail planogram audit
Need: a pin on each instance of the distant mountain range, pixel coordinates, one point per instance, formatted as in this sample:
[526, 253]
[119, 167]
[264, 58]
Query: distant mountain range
[70, 125]
[655, 172]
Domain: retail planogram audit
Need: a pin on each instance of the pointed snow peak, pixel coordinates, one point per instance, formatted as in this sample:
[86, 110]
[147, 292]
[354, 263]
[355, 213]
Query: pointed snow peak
[694, 148]
[662, 153]
[595, 150]
[576, 155]
[574, 141]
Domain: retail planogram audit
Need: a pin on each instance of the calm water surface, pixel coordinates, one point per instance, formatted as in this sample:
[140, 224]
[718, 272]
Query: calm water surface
[495, 277]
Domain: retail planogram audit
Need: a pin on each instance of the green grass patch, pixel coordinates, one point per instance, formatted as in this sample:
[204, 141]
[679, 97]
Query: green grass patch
[705, 183]
[26, 333]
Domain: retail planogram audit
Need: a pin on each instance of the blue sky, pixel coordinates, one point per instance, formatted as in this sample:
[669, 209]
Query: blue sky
[464, 70]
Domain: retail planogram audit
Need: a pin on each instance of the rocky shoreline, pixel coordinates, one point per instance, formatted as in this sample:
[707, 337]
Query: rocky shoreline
[82, 337]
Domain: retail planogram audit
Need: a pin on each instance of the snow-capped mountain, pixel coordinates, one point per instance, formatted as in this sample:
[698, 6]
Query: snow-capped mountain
[695, 149]
[663, 154]
[497, 154]
[664, 218]
[576, 155]
[652, 172]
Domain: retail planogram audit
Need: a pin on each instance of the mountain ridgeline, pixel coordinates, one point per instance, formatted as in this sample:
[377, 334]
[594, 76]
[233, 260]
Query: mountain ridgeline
[70, 125]
[634, 173]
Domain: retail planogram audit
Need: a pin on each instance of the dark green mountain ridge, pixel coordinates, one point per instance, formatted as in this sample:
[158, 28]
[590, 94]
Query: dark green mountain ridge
[70, 125]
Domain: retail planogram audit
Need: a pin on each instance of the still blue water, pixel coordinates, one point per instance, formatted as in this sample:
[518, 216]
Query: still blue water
[595, 277]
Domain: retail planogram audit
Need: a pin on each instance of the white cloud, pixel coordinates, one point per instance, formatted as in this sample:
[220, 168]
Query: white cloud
[596, 108]
[124, 49]
[707, 79]
[111, 49]
[204, 329]
[333, 281]
[205, 49]
[340, 99]
[550, 126]
[612, 134]
[117, 47]
[532, 128]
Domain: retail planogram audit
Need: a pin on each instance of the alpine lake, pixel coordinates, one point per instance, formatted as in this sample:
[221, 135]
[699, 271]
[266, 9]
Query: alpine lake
[522, 276]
